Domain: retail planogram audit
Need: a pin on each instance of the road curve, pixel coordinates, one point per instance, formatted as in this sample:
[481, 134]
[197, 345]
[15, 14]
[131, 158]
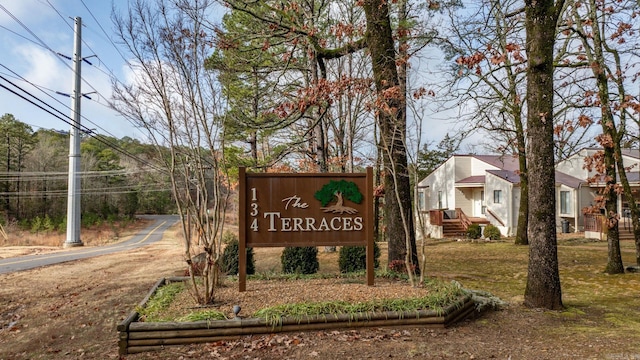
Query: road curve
[146, 236]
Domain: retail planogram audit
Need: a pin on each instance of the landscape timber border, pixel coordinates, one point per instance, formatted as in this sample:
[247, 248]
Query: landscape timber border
[136, 336]
[292, 198]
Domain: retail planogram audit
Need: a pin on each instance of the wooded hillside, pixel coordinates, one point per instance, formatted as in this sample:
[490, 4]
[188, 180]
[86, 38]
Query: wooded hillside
[118, 176]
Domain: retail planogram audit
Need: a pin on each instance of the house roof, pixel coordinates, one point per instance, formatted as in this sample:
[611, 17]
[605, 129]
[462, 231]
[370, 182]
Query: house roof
[507, 175]
[477, 179]
[504, 162]
[472, 179]
[568, 180]
[508, 169]
[631, 153]
[633, 176]
[561, 178]
[634, 153]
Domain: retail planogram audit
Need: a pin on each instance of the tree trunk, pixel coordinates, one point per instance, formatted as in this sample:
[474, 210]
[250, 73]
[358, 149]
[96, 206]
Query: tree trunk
[614, 258]
[543, 278]
[522, 237]
[255, 108]
[633, 207]
[393, 132]
[608, 141]
[378, 235]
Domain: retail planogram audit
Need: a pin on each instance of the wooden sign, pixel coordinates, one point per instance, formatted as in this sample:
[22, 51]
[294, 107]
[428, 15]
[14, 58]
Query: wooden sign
[324, 209]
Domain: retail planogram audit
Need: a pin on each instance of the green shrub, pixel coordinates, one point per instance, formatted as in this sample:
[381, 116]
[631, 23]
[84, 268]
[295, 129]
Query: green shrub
[36, 224]
[48, 224]
[300, 260]
[89, 219]
[24, 224]
[62, 226]
[107, 209]
[112, 218]
[354, 258]
[492, 232]
[131, 204]
[228, 237]
[474, 231]
[230, 258]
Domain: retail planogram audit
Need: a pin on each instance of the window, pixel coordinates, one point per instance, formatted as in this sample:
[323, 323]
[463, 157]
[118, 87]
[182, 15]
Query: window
[497, 196]
[421, 204]
[440, 200]
[483, 207]
[565, 202]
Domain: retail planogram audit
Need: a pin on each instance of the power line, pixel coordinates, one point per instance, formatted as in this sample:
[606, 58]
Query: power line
[43, 44]
[109, 72]
[105, 33]
[22, 36]
[89, 172]
[24, 176]
[84, 59]
[30, 101]
[17, 77]
[60, 14]
[65, 118]
[86, 130]
[39, 88]
[63, 193]
[40, 42]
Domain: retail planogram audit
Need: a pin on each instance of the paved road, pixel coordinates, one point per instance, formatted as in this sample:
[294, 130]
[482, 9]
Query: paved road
[146, 236]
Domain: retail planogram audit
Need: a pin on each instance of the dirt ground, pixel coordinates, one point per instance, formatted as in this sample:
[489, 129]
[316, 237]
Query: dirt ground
[70, 311]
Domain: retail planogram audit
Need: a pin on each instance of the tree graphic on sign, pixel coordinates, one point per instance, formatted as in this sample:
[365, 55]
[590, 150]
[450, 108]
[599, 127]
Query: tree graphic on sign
[339, 190]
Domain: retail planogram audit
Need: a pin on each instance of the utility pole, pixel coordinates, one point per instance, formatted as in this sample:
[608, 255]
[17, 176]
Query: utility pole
[73, 197]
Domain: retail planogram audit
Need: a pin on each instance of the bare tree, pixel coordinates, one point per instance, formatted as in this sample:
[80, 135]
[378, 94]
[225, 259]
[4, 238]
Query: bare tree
[176, 100]
[607, 53]
[489, 46]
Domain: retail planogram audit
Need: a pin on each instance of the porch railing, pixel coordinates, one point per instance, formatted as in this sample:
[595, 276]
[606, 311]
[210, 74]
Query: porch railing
[436, 217]
[495, 216]
[463, 218]
[593, 222]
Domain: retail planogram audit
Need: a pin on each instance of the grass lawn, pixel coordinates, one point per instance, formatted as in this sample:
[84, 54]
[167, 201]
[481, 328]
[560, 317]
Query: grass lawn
[599, 303]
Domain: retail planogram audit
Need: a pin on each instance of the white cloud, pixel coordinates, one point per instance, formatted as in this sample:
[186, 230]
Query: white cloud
[28, 11]
[17, 8]
[43, 68]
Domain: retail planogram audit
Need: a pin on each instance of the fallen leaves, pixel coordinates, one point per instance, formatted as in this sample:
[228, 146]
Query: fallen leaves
[10, 318]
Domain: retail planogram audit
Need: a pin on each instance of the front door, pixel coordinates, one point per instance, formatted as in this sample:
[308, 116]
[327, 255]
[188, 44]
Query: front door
[478, 203]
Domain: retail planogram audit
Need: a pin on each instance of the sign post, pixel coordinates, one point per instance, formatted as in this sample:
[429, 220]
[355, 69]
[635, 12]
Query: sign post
[324, 209]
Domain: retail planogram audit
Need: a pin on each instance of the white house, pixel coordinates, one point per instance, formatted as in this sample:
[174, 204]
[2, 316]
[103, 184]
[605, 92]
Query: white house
[486, 189]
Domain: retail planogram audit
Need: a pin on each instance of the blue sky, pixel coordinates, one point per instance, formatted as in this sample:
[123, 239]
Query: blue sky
[31, 33]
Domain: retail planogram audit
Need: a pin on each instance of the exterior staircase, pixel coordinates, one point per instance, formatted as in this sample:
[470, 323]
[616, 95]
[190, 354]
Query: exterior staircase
[625, 234]
[454, 223]
[626, 229]
[593, 223]
[453, 228]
